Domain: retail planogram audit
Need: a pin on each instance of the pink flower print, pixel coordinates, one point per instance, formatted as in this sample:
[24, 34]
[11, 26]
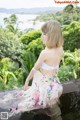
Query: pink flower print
[36, 96]
[19, 95]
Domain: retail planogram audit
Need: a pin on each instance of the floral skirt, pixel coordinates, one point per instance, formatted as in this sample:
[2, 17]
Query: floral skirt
[43, 93]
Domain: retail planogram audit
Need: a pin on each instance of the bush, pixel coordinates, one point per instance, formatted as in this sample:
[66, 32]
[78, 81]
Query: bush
[28, 61]
[27, 38]
[10, 75]
[10, 46]
[35, 47]
[67, 73]
[70, 69]
[71, 35]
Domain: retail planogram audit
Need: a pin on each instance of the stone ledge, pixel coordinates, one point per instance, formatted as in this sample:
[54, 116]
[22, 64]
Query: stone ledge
[71, 86]
[69, 99]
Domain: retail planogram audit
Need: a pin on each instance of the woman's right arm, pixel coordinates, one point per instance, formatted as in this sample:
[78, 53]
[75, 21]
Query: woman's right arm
[36, 67]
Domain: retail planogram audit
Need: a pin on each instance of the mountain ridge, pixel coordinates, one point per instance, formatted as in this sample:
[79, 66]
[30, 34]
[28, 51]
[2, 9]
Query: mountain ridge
[30, 10]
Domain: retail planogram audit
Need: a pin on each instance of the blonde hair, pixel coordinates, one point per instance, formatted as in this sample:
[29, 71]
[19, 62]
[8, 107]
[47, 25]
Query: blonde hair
[54, 35]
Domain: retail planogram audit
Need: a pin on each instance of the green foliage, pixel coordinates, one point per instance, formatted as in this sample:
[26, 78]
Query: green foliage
[27, 38]
[10, 28]
[29, 55]
[71, 35]
[10, 75]
[16, 61]
[5, 64]
[66, 16]
[70, 69]
[28, 60]
[66, 73]
[19, 73]
[10, 46]
[11, 20]
[2, 85]
[35, 47]
[70, 14]
[45, 17]
[69, 8]
[11, 24]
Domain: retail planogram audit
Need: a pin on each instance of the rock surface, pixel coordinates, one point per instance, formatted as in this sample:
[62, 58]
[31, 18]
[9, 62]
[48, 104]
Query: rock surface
[68, 108]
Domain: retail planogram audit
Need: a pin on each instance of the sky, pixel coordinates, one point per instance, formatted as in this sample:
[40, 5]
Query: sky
[28, 3]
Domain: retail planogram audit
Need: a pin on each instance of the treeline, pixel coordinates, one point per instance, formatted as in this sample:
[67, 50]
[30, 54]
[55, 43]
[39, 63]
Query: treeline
[66, 16]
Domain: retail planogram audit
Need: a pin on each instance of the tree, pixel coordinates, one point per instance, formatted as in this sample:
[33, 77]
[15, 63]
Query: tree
[69, 8]
[70, 13]
[10, 46]
[71, 35]
[28, 37]
[11, 20]
[12, 24]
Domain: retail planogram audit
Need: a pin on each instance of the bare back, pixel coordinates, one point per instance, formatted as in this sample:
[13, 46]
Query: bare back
[52, 58]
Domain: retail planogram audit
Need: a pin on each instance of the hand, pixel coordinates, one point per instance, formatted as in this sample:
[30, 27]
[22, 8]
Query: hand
[25, 87]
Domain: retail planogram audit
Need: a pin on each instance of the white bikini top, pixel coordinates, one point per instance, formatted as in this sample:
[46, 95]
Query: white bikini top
[48, 67]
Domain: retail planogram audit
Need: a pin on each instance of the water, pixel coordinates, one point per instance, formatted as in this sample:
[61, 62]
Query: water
[26, 20]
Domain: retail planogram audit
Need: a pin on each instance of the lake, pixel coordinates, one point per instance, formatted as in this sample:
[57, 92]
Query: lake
[26, 20]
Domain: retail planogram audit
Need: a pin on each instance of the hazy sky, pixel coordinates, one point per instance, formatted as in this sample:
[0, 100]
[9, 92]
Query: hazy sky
[28, 3]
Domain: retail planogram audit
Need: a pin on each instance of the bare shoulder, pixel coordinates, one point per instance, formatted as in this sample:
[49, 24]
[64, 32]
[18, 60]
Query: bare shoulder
[60, 49]
[43, 52]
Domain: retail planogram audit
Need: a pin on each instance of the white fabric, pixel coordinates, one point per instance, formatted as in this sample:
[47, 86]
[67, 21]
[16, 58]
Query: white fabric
[42, 94]
[48, 67]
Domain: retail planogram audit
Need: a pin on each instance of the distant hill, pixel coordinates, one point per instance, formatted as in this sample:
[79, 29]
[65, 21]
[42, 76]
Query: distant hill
[30, 10]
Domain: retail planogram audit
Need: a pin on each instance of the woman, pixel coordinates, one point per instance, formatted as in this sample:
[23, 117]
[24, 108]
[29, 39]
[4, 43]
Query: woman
[46, 87]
